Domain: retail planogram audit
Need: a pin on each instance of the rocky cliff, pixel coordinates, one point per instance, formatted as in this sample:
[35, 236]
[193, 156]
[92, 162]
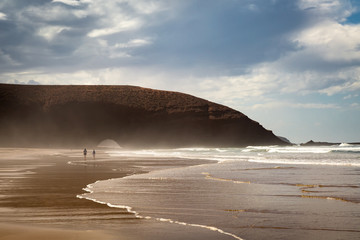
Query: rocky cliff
[133, 116]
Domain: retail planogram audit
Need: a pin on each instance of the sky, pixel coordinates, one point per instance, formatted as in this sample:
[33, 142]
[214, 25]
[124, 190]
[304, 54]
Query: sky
[291, 65]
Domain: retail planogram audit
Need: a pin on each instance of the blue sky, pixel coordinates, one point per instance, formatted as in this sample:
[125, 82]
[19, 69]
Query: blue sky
[293, 66]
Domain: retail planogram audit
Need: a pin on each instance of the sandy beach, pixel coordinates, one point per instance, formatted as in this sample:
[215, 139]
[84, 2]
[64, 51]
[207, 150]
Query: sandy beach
[14, 232]
[166, 194]
[38, 189]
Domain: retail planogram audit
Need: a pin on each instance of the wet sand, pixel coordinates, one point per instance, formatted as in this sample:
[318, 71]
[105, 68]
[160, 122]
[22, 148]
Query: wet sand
[14, 232]
[38, 189]
[245, 200]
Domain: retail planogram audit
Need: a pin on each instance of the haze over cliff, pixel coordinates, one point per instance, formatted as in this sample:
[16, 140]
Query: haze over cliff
[133, 116]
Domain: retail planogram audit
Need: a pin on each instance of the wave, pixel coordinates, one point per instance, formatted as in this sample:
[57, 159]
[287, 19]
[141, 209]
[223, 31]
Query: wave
[127, 208]
[89, 189]
[137, 215]
[344, 155]
[211, 154]
[295, 149]
[215, 229]
[264, 154]
[306, 162]
[346, 145]
[342, 148]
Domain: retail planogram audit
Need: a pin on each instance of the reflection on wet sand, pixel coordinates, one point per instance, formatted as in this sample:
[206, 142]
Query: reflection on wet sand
[208, 176]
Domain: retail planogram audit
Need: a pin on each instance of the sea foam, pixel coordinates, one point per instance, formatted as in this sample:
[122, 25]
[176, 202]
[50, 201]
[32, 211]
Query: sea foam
[89, 189]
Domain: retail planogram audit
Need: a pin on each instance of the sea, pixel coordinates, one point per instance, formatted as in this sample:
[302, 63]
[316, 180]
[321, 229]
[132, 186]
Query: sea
[257, 192]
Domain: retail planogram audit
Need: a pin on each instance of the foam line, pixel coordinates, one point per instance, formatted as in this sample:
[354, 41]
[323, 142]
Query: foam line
[129, 209]
[199, 226]
[136, 214]
[353, 164]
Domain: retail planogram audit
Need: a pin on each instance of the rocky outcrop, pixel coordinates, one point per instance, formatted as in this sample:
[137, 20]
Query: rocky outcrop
[312, 143]
[132, 116]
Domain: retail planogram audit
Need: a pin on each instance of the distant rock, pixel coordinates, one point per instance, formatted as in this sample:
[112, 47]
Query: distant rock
[312, 143]
[284, 139]
[39, 115]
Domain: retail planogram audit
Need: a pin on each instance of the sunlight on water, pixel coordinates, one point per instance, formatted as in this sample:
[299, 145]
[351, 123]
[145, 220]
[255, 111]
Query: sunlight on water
[279, 192]
[343, 154]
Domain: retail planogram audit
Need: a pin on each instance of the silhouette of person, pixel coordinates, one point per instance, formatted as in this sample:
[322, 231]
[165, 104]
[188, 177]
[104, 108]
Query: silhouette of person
[85, 152]
[94, 153]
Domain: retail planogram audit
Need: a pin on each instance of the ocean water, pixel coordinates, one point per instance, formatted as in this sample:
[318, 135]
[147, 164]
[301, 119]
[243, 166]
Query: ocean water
[268, 192]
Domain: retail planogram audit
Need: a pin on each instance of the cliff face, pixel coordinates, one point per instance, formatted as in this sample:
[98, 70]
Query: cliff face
[132, 116]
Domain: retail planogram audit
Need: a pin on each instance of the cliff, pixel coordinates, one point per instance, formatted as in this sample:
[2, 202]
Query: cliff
[133, 116]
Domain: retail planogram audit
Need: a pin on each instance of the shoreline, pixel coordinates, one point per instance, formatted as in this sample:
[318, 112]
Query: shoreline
[177, 198]
[41, 198]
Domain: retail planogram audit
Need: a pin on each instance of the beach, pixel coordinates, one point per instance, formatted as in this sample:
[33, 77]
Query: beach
[38, 189]
[250, 193]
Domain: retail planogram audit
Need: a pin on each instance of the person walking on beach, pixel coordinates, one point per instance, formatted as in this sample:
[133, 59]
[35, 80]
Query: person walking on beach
[85, 152]
[94, 154]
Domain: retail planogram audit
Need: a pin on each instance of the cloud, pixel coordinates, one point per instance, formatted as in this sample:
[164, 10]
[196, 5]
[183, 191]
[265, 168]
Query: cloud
[68, 35]
[337, 10]
[121, 25]
[343, 88]
[350, 96]
[144, 77]
[50, 32]
[326, 61]
[299, 59]
[30, 82]
[213, 35]
[121, 16]
[276, 104]
[245, 50]
[331, 41]
[356, 106]
[6, 59]
[3, 16]
[149, 7]
[69, 2]
[46, 14]
[133, 43]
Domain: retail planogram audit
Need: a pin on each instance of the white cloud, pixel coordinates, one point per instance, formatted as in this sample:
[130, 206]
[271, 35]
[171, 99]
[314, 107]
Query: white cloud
[50, 32]
[102, 49]
[114, 18]
[69, 2]
[144, 77]
[347, 97]
[133, 43]
[337, 10]
[148, 7]
[121, 25]
[3, 16]
[35, 14]
[5, 59]
[111, 16]
[343, 88]
[331, 41]
[325, 61]
[355, 106]
[253, 7]
[277, 104]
